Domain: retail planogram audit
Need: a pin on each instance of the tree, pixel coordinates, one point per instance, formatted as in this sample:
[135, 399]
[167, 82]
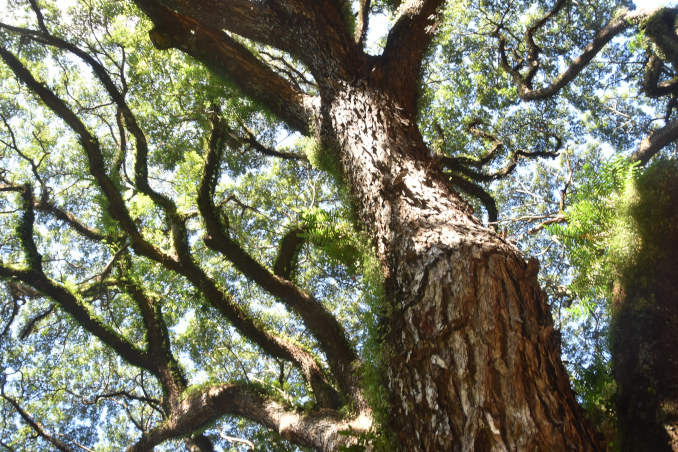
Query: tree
[146, 207]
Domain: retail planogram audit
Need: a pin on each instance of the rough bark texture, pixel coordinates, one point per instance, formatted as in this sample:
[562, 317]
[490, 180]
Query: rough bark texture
[472, 361]
[645, 324]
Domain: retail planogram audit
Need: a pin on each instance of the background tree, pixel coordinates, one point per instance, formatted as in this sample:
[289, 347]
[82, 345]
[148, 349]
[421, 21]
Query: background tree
[174, 273]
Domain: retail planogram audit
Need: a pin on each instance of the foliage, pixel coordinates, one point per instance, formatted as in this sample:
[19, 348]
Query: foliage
[598, 234]
[56, 216]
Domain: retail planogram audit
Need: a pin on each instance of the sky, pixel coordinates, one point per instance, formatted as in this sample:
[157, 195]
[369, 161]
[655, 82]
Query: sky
[653, 3]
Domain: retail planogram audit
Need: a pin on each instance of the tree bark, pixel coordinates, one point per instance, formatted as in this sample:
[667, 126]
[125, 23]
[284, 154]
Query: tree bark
[470, 356]
[645, 322]
[471, 359]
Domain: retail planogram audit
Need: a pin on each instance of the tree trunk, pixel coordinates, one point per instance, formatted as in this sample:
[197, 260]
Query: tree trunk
[471, 358]
[645, 321]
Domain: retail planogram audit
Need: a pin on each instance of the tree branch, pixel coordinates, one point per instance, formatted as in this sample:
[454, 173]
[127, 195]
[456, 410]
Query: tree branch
[259, 21]
[90, 144]
[255, 144]
[71, 220]
[227, 58]
[363, 22]
[655, 141]
[318, 430]
[169, 371]
[311, 30]
[140, 167]
[30, 325]
[411, 33]
[72, 305]
[651, 84]
[287, 253]
[321, 323]
[479, 193]
[616, 26]
[34, 277]
[37, 427]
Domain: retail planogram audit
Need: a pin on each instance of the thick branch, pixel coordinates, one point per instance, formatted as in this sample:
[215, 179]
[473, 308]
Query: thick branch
[229, 59]
[272, 344]
[317, 319]
[140, 167]
[90, 144]
[651, 84]
[287, 253]
[479, 193]
[258, 21]
[158, 339]
[656, 141]
[80, 312]
[363, 22]
[413, 30]
[311, 30]
[317, 430]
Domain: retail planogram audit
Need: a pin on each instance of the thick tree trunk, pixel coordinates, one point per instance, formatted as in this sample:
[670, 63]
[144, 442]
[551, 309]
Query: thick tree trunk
[472, 359]
[645, 322]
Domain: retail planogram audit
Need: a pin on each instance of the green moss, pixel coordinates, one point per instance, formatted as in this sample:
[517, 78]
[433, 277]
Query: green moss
[643, 224]
[373, 376]
[323, 158]
[25, 230]
[347, 16]
[660, 29]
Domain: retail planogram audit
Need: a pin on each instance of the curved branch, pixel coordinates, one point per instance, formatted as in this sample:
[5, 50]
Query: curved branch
[616, 26]
[656, 141]
[533, 49]
[406, 43]
[322, 324]
[461, 164]
[230, 60]
[34, 277]
[319, 430]
[479, 193]
[287, 253]
[71, 304]
[651, 84]
[363, 22]
[140, 167]
[169, 371]
[37, 427]
[116, 205]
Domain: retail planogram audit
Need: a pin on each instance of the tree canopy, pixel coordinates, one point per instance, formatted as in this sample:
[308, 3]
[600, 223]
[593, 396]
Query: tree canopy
[183, 255]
